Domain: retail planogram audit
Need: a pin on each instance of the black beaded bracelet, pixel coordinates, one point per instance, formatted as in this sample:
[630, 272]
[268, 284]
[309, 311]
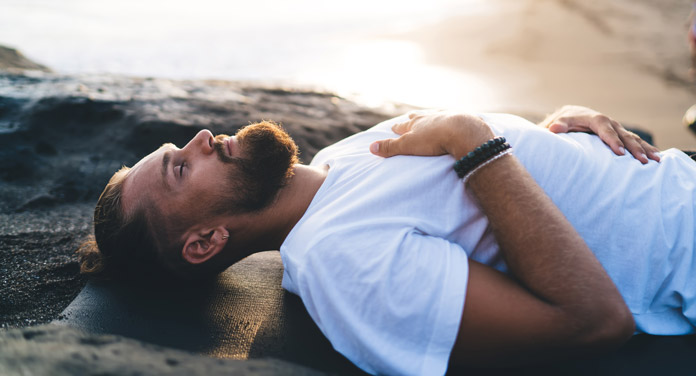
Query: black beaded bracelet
[480, 155]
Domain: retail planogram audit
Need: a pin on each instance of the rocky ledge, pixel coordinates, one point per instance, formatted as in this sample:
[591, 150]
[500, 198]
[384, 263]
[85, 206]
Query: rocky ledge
[58, 351]
[61, 138]
[14, 61]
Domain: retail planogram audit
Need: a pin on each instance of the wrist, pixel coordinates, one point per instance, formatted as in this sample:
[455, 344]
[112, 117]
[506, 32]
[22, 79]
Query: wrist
[471, 131]
[481, 156]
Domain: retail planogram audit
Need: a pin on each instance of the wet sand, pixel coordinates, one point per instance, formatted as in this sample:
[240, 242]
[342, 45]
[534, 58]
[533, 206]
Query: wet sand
[628, 59]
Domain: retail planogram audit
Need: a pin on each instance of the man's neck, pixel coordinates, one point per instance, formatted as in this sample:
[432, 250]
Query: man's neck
[292, 202]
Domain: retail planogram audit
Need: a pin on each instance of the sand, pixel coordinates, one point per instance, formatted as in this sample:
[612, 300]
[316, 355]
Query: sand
[628, 59]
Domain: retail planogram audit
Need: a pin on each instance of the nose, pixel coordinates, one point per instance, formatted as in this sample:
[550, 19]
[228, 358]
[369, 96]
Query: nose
[201, 142]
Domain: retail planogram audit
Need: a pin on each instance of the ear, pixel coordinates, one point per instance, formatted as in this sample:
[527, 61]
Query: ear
[202, 244]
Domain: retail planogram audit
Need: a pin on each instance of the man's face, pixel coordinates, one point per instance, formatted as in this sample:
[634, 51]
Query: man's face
[212, 175]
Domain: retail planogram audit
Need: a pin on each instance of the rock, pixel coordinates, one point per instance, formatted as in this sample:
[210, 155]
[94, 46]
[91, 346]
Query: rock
[14, 61]
[61, 139]
[63, 136]
[56, 350]
[66, 135]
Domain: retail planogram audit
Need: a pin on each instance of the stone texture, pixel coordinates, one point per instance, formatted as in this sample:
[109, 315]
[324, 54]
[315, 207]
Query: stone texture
[57, 351]
[62, 137]
[15, 61]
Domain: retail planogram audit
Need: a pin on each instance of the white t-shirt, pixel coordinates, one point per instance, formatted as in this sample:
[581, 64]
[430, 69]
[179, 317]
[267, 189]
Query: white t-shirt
[380, 258]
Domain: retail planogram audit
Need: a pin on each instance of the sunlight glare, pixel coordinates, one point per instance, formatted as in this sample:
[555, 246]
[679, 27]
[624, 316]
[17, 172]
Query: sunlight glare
[381, 70]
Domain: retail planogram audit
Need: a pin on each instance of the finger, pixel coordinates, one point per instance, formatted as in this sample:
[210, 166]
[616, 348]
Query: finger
[388, 147]
[655, 156]
[375, 148]
[401, 128]
[608, 131]
[639, 148]
[558, 127]
[645, 151]
[635, 146]
[653, 153]
[414, 113]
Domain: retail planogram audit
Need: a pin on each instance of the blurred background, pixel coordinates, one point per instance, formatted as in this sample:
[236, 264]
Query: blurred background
[629, 59]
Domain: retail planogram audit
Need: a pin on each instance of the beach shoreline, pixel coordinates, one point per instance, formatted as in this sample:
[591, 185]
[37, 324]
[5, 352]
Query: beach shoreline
[628, 59]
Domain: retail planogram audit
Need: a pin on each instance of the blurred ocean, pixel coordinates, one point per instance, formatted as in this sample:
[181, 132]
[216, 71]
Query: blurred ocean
[351, 47]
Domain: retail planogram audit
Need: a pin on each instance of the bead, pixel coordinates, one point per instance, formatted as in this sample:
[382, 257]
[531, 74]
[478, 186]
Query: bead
[481, 155]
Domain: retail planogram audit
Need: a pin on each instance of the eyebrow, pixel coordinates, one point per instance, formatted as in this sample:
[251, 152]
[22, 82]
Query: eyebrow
[165, 167]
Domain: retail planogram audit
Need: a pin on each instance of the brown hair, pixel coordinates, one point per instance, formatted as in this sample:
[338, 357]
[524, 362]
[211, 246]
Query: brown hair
[123, 246]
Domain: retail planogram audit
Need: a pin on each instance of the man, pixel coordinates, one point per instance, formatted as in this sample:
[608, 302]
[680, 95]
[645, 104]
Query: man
[400, 264]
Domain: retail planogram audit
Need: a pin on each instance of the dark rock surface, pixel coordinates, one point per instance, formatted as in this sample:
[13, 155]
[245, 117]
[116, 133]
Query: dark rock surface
[15, 61]
[57, 351]
[62, 137]
[66, 135]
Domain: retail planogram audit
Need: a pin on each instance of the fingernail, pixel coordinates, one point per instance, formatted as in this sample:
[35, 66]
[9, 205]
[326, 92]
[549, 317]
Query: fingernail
[645, 157]
[622, 150]
[374, 147]
[656, 155]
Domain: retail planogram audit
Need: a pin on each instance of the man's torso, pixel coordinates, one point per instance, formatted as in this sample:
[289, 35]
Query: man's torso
[371, 215]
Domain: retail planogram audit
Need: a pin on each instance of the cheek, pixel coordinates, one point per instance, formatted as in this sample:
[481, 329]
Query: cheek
[187, 209]
[200, 195]
[205, 189]
[210, 187]
[204, 178]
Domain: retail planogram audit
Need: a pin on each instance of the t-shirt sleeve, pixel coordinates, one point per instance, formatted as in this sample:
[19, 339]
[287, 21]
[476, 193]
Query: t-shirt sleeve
[391, 306]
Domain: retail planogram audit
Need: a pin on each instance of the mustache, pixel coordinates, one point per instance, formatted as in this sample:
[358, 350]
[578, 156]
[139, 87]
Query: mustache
[220, 149]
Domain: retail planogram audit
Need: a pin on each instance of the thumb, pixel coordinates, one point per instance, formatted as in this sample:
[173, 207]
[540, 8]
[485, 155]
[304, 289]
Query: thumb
[385, 148]
[559, 127]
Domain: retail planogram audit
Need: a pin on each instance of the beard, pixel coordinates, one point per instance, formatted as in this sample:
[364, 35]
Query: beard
[254, 179]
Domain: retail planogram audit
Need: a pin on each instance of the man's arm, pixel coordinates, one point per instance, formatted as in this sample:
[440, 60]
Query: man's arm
[561, 302]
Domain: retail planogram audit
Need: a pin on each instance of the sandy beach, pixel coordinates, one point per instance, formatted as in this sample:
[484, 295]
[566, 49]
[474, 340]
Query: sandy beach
[628, 59]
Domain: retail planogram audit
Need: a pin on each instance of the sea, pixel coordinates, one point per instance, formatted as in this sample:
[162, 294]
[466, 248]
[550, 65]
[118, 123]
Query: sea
[352, 47]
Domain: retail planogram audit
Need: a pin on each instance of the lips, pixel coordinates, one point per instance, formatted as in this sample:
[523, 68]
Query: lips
[230, 145]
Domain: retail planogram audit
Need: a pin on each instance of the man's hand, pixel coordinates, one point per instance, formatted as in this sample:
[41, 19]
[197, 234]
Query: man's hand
[583, 119]
[435, 133]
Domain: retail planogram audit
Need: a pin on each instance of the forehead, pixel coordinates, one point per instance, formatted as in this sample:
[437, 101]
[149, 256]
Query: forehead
[144, 180]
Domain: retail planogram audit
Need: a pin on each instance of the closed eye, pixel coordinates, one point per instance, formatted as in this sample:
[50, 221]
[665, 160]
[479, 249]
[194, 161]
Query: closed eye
[181, 169]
